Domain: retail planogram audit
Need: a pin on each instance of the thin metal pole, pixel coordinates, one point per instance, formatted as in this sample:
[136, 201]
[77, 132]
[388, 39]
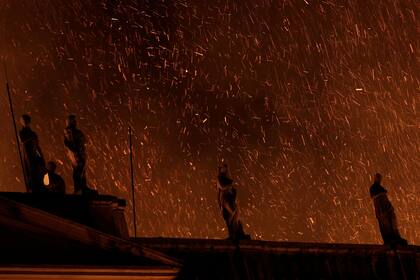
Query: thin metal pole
[15, 128]
[132, 179]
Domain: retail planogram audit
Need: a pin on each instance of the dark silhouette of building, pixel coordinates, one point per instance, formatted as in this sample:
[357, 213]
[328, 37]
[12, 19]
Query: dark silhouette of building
[57, 236]
[257, 259]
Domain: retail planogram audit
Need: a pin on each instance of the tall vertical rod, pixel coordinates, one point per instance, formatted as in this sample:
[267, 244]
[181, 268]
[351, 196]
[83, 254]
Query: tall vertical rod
[132, 179]
[15, 128]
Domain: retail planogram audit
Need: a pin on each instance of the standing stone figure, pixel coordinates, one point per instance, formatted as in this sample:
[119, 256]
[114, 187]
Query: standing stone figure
[228, 206]
[75, 140]
[385, 214]
[34, 163]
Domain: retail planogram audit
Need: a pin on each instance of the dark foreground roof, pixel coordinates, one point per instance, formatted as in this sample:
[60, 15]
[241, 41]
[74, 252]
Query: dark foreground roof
[31, 237]
[57, 244]
[220, 259]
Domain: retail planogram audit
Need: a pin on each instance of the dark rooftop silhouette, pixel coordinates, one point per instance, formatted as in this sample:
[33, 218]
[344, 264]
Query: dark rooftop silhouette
[61, 235]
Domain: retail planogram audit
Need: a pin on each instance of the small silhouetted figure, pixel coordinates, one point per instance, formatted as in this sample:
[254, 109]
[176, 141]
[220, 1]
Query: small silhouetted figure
[75, 140]
[52, 181]
[34, 163]
[385, 214]
[228, 206]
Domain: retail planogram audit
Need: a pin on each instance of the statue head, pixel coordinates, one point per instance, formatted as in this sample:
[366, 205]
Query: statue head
[377, 178]
[72, 121]
[25, 120]
[224, 177]
[51, 166]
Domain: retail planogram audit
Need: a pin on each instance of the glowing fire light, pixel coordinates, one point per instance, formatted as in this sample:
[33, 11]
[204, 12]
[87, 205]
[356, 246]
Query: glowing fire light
[46, 180]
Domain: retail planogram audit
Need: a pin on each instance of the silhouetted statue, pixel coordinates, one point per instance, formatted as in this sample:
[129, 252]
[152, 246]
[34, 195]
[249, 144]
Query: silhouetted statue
[74, 140]
[385, 214]
[52, 181]
[34, 163]
[228, 206]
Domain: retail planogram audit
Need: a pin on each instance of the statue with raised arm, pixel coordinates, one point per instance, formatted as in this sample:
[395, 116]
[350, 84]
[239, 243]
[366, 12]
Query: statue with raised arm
[75, 140]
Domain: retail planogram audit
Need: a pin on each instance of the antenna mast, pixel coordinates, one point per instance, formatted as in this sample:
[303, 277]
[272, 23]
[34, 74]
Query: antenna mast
[132, 179]
[15, 128]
